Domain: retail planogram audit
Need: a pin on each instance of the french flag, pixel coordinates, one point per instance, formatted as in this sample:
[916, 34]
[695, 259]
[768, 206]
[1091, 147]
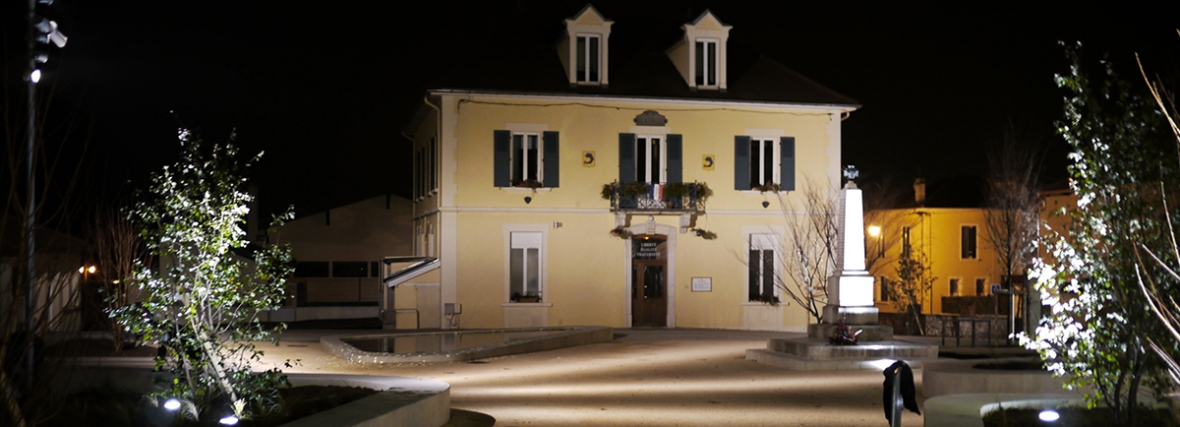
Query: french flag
[657, 192]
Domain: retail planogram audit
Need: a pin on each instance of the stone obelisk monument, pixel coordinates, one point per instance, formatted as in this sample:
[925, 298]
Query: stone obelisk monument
[850, 287]
[850, 298]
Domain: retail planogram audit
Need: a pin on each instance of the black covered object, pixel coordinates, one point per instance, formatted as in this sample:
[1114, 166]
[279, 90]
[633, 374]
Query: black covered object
[907, 389]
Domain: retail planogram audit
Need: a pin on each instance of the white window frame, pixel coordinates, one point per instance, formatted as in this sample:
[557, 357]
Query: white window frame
[776, 156]
[643, 142]
[975, 249]
[764, 242]
[715, 66]
[954, 286]
[512, 157]
[584, 76]
[526, 240]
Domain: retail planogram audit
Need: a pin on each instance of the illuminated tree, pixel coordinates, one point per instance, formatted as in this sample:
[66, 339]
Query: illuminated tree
[1099, 329]
[203, 304]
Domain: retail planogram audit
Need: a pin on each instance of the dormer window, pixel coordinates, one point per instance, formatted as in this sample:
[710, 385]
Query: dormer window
[588, 54]
[700, 55]
[706, 62]
[584, 48]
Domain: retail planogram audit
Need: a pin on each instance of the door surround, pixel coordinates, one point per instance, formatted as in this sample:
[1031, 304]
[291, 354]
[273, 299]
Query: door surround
[671, 233]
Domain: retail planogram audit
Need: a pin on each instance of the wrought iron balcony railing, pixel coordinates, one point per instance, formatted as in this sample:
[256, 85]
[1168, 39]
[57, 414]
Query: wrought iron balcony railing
[680, 197]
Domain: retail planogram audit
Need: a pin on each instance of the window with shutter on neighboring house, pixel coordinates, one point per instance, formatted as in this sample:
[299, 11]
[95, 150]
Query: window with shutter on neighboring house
[759, 162]
[525, 159]
[980, 286]
[954, 287]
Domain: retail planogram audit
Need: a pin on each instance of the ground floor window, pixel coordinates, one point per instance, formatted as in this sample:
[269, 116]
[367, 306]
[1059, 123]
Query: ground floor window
[886, 291]
[524, 267]
[980, 286]
[762, 268]
[954, 287]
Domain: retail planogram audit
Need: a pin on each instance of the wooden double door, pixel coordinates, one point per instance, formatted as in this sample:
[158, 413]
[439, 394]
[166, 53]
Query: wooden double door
[649, 293]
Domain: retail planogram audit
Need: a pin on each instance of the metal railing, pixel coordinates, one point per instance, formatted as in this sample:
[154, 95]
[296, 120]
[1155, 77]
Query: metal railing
[673, 196]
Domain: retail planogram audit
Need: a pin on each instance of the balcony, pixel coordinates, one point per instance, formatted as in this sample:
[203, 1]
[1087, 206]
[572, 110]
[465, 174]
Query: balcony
[671, 198]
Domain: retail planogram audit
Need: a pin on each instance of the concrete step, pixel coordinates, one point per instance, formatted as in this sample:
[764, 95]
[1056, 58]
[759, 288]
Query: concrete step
[789, 361]
[819, 349]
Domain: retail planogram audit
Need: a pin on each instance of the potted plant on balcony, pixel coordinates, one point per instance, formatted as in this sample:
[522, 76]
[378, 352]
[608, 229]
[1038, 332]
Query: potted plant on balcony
[528, 183]
[768, 187]
[675, 192]
[621, 232]
[635, 189]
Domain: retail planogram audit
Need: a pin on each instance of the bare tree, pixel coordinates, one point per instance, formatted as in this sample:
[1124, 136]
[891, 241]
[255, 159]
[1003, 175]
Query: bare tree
[1162, 303]
[1013, 204]
[117, 248]
[808, 256]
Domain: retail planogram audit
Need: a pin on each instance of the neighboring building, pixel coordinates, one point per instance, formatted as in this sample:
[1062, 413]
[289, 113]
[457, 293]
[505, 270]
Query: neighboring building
[556, 180]
[948, 224]
[61, 273]
[338, 255]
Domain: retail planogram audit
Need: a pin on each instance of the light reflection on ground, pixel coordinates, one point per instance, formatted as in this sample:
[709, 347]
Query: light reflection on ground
[648, 378]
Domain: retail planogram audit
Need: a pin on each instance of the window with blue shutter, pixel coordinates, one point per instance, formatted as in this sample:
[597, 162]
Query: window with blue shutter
[787, 163]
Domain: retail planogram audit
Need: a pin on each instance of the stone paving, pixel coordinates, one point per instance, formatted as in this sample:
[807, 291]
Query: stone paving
[643, 378]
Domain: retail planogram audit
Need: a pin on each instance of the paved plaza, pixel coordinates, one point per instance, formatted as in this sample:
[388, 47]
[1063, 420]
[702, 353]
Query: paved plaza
[665, 377]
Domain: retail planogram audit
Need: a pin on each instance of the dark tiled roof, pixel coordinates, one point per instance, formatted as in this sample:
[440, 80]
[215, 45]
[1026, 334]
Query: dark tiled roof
[521, 56]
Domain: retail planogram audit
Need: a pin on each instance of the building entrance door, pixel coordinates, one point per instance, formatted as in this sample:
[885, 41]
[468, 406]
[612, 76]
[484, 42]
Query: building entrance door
[649, 300]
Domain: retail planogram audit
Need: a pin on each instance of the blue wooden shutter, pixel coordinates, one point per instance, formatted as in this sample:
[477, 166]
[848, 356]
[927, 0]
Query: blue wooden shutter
[551, 159]
[741, 163]
[675, 158]
[626, 158]
[787, 163]
[501, 157]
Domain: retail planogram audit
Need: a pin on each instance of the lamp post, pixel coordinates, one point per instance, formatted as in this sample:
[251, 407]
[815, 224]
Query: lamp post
[40, 31]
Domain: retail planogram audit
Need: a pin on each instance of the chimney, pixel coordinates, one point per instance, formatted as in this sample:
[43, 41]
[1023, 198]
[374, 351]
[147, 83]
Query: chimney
[920, 190]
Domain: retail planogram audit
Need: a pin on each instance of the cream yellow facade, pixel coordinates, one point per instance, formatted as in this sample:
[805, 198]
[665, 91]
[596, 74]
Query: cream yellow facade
[509, 182]
[585, 271]
[939, 234]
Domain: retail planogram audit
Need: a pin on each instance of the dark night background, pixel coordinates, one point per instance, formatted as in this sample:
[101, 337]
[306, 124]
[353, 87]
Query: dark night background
[325, 88]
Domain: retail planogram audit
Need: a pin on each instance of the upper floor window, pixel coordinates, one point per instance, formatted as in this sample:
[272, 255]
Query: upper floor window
[654, 159]
[526, 158]
[520, 159]
[707, 62]
[649, 159]
[968, 249]
[588, 56]
[761, 162]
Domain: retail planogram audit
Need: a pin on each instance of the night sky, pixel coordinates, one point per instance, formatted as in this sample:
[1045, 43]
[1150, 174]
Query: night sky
[326, 88]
